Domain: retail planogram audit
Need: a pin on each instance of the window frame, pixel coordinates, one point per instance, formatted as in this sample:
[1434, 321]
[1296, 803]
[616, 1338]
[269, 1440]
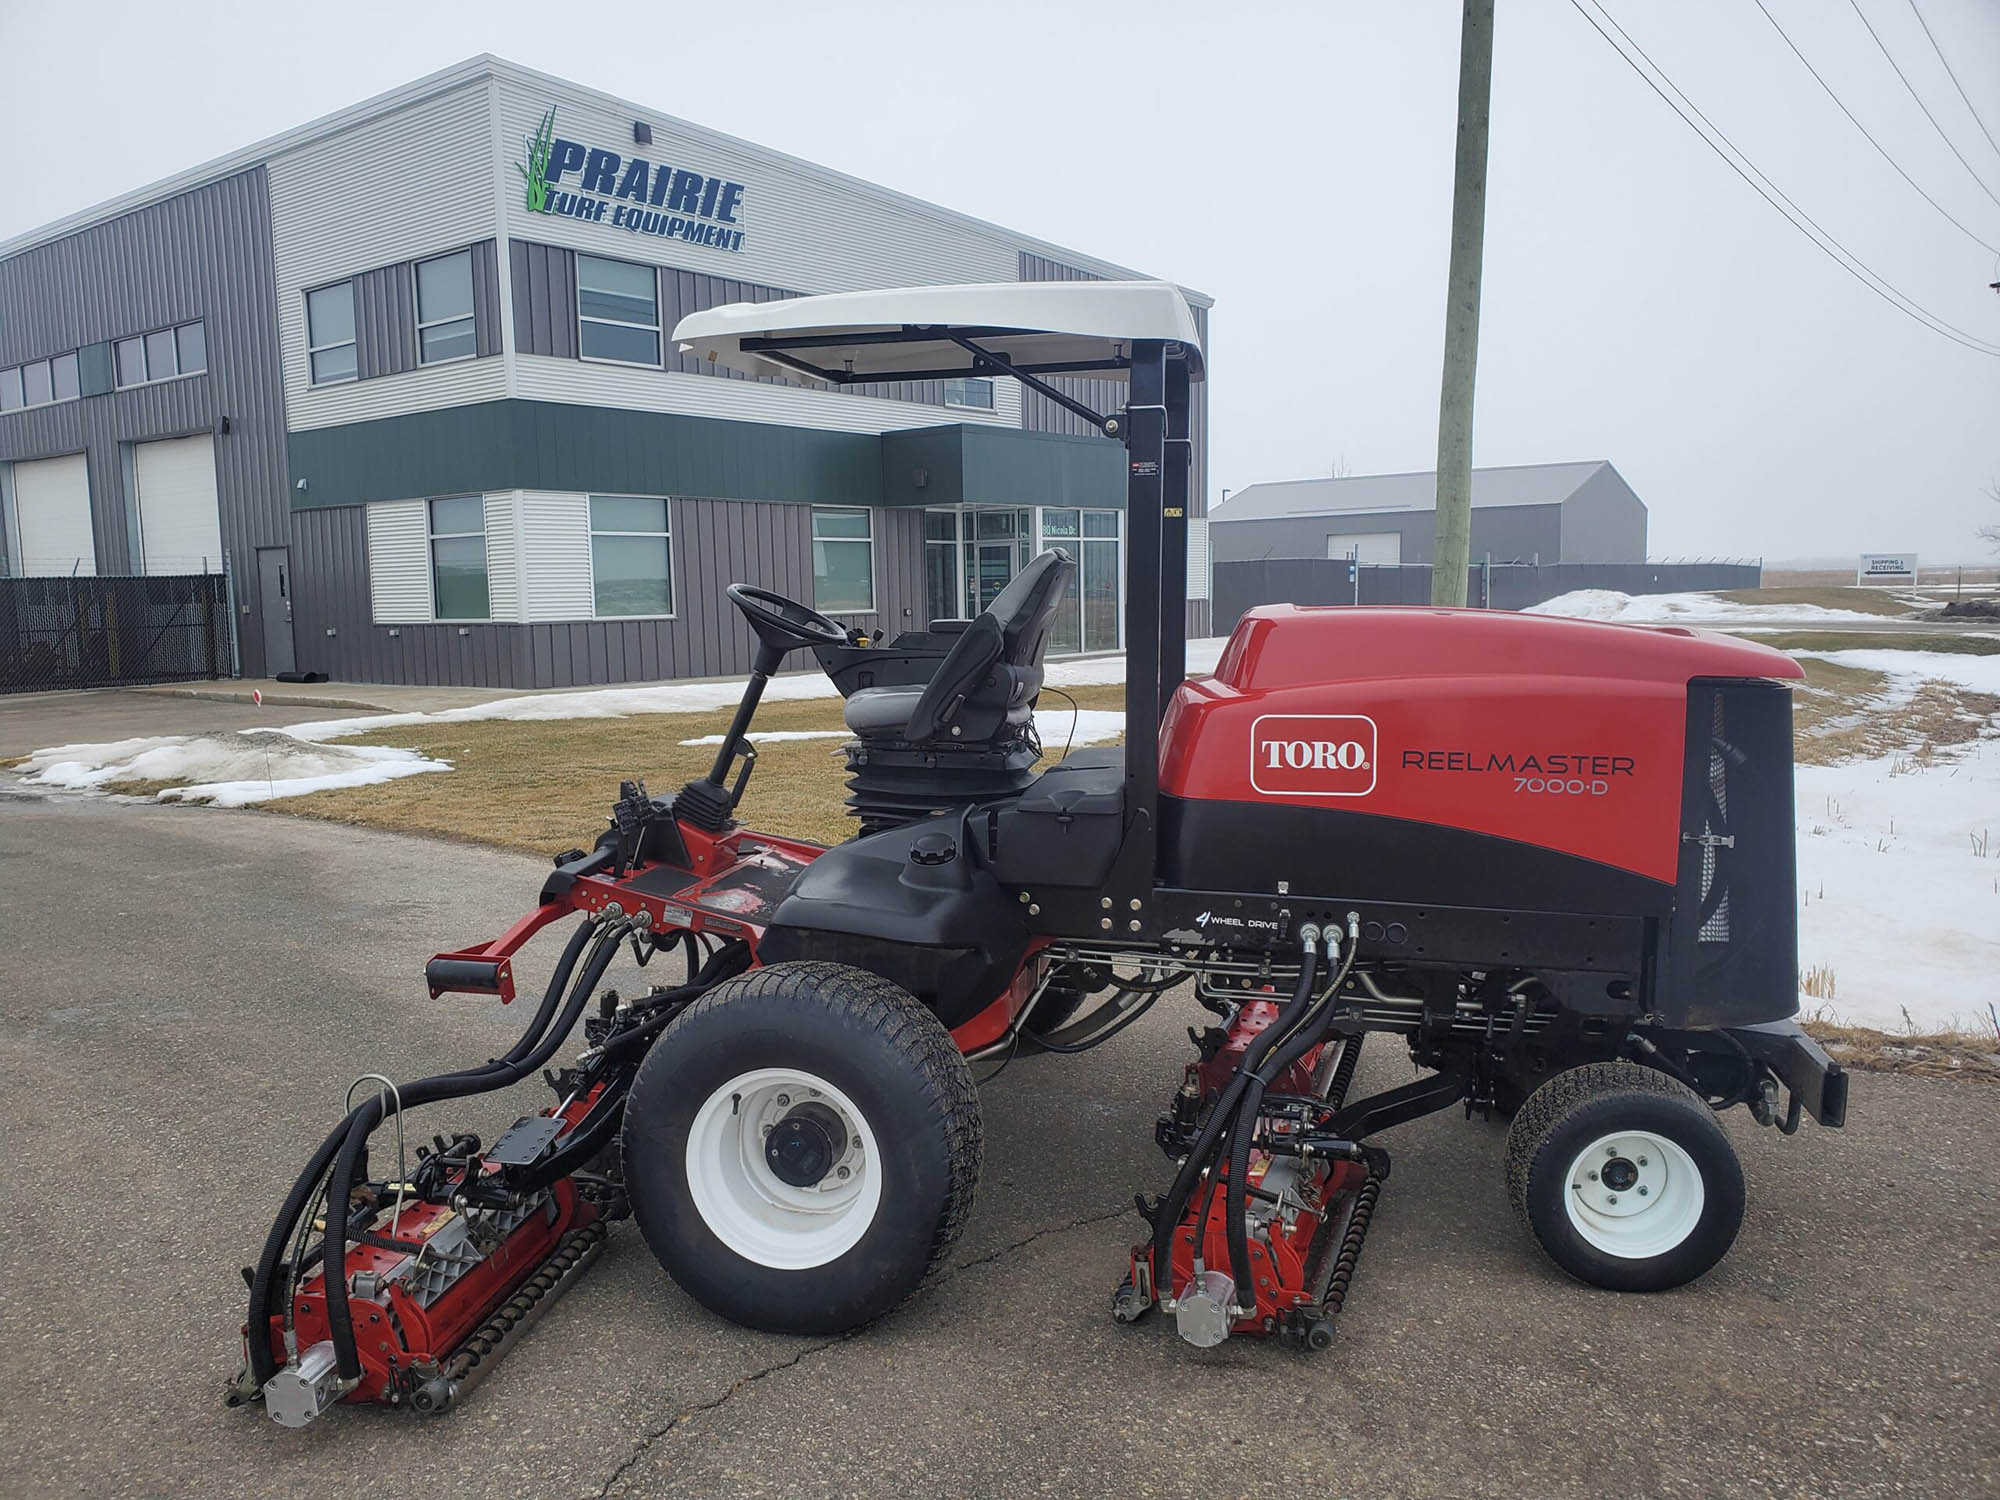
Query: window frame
[985, 380]
[659, 305]
[470, 318]
[352, 341]
[18, 374]
[172, 331]
[874, 578]
[592, 533]
[431, 538]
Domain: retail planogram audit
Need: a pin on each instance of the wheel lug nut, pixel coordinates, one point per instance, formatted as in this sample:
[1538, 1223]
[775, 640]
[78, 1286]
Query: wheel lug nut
[1642, 1192]
[1610, 1197]
[1593, 1175]
[784, 1098]
[844, 1174]
[1642, 1161]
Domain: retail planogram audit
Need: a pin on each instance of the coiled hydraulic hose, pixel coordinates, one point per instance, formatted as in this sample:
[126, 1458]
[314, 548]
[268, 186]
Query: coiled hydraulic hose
[263, 1365]
[1206, 1144]
[339, 1318]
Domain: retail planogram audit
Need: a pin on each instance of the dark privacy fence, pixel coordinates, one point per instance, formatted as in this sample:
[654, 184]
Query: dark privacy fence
[101, 632]
[1239, 586]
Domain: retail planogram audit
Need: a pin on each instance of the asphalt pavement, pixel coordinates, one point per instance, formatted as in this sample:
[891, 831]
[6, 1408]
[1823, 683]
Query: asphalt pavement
[190, 992]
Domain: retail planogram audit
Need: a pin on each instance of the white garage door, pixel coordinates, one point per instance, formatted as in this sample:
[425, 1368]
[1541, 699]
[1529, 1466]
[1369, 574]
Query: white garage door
[1375, 549]
[180, 525]
[51, 503]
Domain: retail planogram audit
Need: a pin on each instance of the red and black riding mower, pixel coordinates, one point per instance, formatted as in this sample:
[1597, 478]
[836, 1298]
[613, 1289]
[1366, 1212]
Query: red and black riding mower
[1553, 857]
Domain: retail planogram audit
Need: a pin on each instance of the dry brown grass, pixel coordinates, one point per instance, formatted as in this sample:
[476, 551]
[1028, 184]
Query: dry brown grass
[547, 786]
[1863, 601]
[1932, 1054]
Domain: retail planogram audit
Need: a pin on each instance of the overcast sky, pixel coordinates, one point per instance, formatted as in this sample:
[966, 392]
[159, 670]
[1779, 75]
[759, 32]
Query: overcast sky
[1294, 161]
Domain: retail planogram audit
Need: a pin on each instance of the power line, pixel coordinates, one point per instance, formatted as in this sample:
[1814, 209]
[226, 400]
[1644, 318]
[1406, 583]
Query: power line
[1884, 50]
[1953, 76]
[1882, 150]
[1769, 191]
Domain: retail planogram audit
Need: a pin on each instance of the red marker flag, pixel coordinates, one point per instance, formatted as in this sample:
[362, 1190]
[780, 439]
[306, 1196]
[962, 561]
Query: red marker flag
[257, 696]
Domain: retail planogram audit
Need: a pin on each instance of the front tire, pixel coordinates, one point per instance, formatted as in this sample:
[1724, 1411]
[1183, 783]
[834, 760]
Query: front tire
[1625, 1177]
[801, 1147]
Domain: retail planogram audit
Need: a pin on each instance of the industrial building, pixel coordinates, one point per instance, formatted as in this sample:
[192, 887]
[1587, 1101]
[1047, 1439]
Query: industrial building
[404, 375]
[1534, 513]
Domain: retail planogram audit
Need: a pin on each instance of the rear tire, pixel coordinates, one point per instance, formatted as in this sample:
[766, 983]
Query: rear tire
[1625, 1177]
[801, 1147]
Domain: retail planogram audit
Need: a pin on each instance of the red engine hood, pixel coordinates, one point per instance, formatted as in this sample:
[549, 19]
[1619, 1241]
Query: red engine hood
[1289, 645]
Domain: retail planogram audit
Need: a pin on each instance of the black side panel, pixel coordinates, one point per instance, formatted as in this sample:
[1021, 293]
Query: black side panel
[912, 904]
[1733, 955]
[1250, 846]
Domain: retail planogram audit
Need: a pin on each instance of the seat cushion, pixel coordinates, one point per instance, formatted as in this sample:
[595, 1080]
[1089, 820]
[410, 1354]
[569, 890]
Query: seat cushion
[882, 711]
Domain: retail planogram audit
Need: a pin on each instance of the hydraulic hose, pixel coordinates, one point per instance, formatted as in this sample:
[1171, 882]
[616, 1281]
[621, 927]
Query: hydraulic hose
[263, 1365]
[1206, 1144]
[339, 1318]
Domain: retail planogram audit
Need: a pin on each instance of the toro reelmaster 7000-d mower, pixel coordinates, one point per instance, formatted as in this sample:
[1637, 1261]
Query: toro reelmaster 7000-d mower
[1553, 857]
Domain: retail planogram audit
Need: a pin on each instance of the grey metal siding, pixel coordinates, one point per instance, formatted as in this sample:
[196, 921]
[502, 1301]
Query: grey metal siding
[1604, 521]
[385, 322]
[205, 254]
[545, 317]
[1511, 533]
[485, 299]
[544, 279]
[716, 543]
[385, 314]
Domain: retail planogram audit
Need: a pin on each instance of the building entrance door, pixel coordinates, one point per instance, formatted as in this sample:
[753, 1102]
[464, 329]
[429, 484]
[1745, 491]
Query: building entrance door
[274, 602]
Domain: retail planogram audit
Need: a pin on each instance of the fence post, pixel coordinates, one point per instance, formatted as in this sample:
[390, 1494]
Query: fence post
[229, 602]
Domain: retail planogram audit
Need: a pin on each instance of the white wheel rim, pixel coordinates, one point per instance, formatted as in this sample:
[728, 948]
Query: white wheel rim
[747, 1205]
[1634, 1194]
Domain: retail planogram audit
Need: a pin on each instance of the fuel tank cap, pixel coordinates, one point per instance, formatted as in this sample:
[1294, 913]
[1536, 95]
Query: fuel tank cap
[933, 849]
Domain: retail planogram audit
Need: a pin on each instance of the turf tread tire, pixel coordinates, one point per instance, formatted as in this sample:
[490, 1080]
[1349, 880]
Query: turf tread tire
[1558, 1100]
[879, 1010]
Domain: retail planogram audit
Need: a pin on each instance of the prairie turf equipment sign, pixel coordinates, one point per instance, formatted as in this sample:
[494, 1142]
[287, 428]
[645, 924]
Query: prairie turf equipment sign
[628, 192]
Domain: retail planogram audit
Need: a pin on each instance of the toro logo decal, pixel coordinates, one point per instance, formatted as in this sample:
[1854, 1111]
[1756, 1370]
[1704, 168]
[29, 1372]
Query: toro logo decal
[1313, 755]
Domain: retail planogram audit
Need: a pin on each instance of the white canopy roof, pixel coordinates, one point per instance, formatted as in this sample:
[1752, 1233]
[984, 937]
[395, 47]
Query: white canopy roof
[1088, 326]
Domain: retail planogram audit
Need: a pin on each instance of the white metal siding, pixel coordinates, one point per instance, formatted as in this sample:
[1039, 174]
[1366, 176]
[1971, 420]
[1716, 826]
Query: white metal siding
[555, 548]
[51, 498]
[180, 519]
[399, 562]
[804, 227]
[1197, 557]
[398, 188]
[503, 555]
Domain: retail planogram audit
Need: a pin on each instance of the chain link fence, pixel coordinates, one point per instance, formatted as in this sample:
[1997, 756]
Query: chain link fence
[103, 632]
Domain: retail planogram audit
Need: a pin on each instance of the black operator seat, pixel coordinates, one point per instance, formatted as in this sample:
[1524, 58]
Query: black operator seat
[989, 679]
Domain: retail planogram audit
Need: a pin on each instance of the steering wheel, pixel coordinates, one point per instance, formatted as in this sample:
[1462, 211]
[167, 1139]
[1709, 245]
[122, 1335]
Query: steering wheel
[785, 623]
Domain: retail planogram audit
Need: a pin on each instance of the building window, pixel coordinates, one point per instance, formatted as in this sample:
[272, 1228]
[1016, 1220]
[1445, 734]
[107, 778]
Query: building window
[617, 311]
[631, 556]
[971, 390]
[330, 333]
[163, 354]
[843, 560]
[444, 309]
[458, 559]
[39, 383]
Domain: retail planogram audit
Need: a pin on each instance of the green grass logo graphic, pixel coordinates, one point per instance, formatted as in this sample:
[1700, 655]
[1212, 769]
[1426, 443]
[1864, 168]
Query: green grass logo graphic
[536, 170]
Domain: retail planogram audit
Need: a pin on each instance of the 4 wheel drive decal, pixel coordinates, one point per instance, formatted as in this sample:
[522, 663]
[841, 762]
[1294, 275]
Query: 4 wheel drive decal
[1313, 755]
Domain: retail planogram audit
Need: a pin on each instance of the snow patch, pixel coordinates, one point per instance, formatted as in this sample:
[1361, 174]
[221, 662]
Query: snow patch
[1974, 674]
[1056, 726]
[773, 736]
[229, 770]
[1899, 885]
[1683, 609]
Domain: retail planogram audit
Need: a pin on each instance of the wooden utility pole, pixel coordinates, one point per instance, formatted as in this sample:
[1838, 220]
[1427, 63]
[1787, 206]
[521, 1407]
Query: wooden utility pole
[1451, 552]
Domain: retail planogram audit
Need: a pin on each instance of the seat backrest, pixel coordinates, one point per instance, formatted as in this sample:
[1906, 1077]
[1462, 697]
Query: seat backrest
[1003, 646]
